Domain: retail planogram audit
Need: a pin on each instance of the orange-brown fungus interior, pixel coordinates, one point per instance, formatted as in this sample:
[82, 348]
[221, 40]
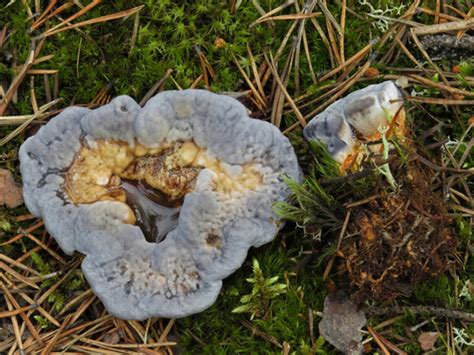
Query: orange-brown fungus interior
[99, 170]
[397, 128]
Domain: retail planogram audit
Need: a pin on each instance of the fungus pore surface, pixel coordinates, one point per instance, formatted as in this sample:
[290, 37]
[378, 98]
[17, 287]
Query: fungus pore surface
[164, 200]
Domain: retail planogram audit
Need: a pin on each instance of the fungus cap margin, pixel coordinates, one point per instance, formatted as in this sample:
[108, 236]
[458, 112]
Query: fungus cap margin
[182, 275]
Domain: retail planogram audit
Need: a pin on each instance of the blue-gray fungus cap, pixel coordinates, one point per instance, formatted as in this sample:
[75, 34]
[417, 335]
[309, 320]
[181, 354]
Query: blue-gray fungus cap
[358, 115]
[164, 201]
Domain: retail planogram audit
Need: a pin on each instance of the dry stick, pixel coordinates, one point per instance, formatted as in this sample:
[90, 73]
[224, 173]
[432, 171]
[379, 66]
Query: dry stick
[22, 314]
[298, 114]
[441, 15]
[329, 16]
[77, 338]
[17, 276]
[348, 84]
[437, 11]
[81, 12]
[47, 88]
[31, 229]
[138, 329]
[28, 254]
[307, 8]
[16, 311]
[256, 75]
[27, 7]
[78, 57]
[42, 71]
[376, 337]
[3, 35]
[32, 302]
[196, 82]
[95, 20]
[423, 52]
[308, 57]
[83, 308]
[34, 50]
[165, 332]
[291, 17]
[339, 241]
[25, 124]
[410, 56]
[459, 12]
[279, 52]
[154, 89]
[75, 300]
[39, 21]
[16, 329]
[343, 26]
[45, 247]
[445, 27]
[53, 341]
[389, 53]
[18, 264]
[261, 11]
[56, 86]
[136, 27]
[332, 41]
[270, 338]
[90, 325]
[34, 102]
[274, 11]
[278, 97]
[437, 311]
[437, 101]
[431, 83]
[261, 102]
[324, 38]
[355, 58]
[60, 9]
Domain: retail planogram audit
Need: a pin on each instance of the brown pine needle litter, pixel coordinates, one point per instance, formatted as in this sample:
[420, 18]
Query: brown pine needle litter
[38, 315]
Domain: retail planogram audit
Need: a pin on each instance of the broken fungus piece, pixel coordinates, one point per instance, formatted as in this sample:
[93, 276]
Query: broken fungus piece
[165, 201]
[346, 125]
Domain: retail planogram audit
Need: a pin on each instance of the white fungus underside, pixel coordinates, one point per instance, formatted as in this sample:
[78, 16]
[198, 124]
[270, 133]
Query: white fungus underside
[183, 274]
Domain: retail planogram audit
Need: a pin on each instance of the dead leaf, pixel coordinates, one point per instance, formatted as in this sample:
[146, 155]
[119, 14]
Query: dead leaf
[371, 72]
[341, 324]
[10, 192]
[427, 340]
[112, 338]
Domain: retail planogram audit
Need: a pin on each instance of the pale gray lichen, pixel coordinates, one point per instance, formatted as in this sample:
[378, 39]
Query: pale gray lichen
[358, 115]
[210, 237]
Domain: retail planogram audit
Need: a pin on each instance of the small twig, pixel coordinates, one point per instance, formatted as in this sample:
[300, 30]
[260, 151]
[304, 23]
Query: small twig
[444, 27]
[328, 268]
[155, 88]
[438, 311]
[379, 342]
[105, 18]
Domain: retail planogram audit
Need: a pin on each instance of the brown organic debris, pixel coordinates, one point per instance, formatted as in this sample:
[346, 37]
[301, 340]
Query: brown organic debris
[401, 239]
[10, 192]
[427, 340]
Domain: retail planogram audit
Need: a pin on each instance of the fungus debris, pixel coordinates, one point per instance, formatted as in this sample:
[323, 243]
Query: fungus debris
[164, 200]
[401, 234]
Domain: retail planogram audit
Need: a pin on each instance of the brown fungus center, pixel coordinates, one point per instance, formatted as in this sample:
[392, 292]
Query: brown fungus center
[151, 181]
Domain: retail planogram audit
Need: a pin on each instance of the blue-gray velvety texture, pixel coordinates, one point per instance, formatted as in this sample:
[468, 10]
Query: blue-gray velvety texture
[362, 111]
[182, 275]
